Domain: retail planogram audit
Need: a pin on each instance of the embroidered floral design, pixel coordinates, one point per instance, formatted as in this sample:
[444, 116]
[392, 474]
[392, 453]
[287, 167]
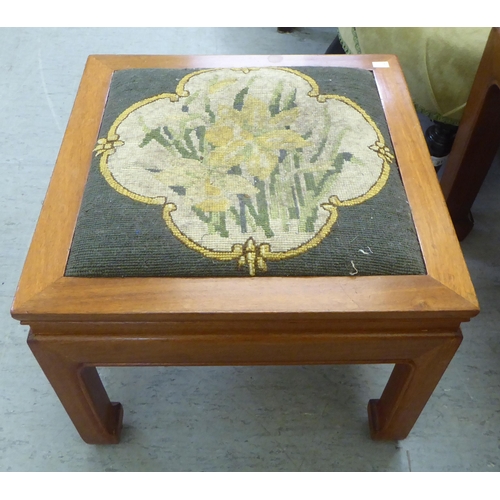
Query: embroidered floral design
[254, 136]
[250, 164]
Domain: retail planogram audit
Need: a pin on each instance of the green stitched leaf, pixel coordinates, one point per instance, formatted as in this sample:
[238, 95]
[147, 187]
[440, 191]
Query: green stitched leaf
[156, 135]
[240, 99]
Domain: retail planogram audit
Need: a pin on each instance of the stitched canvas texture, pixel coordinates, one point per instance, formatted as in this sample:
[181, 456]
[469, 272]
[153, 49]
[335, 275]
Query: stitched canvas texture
[244, 172]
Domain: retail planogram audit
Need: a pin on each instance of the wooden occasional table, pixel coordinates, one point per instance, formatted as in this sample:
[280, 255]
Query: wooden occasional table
[91, 301]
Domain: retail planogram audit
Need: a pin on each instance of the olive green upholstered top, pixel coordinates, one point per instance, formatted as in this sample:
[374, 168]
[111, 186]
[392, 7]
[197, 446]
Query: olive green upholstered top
[244, 172]
[439, 64]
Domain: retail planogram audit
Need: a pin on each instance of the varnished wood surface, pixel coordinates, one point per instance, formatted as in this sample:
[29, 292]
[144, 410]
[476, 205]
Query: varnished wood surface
[210, 325]
[261, 348]
[442, 254]
[236, 61]
[80, 323]
[68, 361]
[48, 253]
[44, 290]
[131, 299]
[408, 390]
[477, 140]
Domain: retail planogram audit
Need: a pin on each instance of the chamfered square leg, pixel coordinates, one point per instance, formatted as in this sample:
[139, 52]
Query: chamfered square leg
[80, 390]
[409, 388]
[69, 364]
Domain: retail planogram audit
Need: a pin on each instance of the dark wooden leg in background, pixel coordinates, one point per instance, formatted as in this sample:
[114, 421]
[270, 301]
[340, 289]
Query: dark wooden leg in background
[82, 394]
[469, 162]
[335, 47]
[409, 388]
[477, 140]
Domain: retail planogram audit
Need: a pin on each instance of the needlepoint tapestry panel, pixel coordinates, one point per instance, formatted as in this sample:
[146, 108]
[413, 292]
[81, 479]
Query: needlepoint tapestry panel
[244, 172]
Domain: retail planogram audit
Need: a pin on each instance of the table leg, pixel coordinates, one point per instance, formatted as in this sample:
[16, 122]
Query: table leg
[69, 364]
[82, 394]
[410, 386]
[477, 141]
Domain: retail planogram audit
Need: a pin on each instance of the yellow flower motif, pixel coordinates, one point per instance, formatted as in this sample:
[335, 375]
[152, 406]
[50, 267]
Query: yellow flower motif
[214, 200]
[252, 137]
[212, 185]
[214, 205]
[217, 87]
[108, 145]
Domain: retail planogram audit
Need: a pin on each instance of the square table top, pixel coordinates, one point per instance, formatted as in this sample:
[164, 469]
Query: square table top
[430, 279]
